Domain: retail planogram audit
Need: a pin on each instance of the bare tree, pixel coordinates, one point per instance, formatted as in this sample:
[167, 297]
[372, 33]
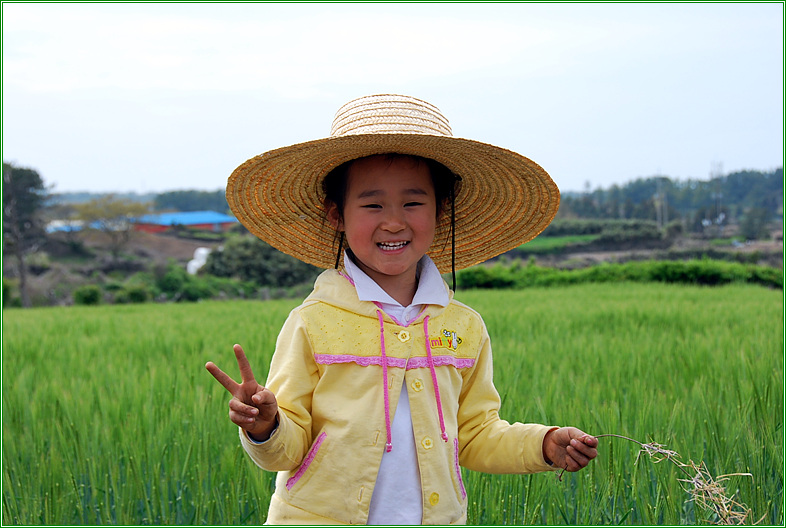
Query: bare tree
[112, 216]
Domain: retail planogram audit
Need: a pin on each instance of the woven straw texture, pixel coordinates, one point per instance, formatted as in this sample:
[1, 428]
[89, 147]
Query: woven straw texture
[504, 199]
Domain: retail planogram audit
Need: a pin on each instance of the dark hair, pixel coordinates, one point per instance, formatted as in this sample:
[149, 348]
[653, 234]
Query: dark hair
[334, 185]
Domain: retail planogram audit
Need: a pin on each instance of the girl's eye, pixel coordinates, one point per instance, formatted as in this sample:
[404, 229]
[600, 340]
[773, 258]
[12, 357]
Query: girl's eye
[371, 206]
[411, 204]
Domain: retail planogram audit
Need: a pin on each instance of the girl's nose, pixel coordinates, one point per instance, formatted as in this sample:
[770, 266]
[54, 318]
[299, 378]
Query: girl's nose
[393, 222]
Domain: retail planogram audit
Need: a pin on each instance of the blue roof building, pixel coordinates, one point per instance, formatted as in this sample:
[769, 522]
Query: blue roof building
[206, 220]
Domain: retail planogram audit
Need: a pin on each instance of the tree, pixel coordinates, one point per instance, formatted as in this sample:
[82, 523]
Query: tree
[192, 201]
[250, 259]
[62, 216]
[113, 217]
[23, 231]
[754, 224]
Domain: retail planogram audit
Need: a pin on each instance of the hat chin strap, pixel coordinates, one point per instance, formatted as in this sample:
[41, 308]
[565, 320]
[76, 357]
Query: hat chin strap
[340, 247]
[453, 234]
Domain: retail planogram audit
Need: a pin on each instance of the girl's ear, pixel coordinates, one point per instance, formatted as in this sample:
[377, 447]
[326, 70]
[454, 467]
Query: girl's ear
[334, 217]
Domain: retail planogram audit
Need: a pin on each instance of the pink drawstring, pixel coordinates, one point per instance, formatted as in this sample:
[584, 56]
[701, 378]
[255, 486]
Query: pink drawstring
[389, 444]
[434, 379]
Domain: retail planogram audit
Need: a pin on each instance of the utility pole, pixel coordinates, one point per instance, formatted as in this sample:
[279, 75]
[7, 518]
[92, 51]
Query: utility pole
[664, 200]
[661, 205]
[658, 199]
[716, 175]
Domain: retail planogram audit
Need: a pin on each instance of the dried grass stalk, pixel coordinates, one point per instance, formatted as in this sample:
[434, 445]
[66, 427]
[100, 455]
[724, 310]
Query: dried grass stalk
[705, 491]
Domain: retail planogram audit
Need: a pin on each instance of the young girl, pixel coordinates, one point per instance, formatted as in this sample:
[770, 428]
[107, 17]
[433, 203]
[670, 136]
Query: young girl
[380, 386]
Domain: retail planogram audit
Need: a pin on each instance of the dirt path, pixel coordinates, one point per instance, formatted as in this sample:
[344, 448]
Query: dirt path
[162, 247]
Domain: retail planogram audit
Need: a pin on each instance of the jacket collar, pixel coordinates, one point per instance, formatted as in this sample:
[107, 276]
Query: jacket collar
[333, 287]
[431, 289]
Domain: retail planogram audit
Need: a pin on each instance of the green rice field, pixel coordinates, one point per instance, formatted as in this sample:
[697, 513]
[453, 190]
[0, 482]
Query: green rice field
[109, 416]
[545, 244]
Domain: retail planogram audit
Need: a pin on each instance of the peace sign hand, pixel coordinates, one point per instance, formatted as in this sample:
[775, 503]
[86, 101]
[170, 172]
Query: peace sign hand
[252, 407]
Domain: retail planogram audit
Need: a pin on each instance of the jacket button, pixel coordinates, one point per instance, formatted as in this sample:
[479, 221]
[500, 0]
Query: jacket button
[434, 499]
[417, 385]
[427, 442]
[403, 336]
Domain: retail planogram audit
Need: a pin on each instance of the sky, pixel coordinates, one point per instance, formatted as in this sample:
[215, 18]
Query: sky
[156, 97]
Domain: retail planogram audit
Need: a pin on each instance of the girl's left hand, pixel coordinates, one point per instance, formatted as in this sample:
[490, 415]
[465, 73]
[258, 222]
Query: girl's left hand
[569, 448]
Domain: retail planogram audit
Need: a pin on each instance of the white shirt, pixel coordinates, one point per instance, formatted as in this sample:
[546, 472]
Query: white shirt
[397, 497]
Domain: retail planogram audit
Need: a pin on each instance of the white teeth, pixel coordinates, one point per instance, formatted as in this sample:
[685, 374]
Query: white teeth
[392, 246]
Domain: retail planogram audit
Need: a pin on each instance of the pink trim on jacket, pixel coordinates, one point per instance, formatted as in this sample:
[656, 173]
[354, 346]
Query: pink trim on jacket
[441, 361]
[458, 468]
[312, 453]
[409, 364]
[332, 359]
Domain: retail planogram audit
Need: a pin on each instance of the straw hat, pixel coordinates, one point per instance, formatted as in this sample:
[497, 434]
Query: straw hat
[504, 199]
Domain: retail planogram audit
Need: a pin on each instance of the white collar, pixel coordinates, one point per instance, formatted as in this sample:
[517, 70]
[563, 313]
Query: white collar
[431, 287]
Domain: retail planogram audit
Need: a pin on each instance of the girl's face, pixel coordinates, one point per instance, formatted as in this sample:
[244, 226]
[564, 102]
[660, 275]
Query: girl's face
[390, 217]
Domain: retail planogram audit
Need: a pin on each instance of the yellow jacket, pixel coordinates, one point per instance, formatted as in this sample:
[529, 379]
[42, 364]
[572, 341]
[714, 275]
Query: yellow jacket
[334, 410]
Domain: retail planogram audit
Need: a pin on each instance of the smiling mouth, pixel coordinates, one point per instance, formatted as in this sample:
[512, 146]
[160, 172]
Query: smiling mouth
[391, 246]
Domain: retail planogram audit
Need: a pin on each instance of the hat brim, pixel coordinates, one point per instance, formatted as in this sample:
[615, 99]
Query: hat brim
[505, 199]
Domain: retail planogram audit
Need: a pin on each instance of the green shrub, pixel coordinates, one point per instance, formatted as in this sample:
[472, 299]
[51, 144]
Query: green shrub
[138, 294]
[765, 276]
[113, 286]
[8, 288]
[133, 293]
[497, 276]
[230, 288]
[178, 285]
[702, 272]
[195, 289]
[250, 259]
[87, 295]
[173, 279]
[121, 297]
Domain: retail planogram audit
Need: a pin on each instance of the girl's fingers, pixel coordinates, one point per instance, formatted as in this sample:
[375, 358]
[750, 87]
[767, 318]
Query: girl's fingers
[223, 378]
[580, 454]
[263, 397]
[239, 407]
[578, 459]
[266, 402]
[240, 419]
[585, 447]
[246, 374]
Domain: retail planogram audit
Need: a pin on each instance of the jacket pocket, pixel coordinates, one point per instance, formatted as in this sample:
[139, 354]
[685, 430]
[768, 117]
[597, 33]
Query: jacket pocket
[312, 453]
[458, 469]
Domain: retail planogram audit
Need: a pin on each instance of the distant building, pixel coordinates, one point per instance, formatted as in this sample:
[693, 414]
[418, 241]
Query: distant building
[204, 220]
[64, 226]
